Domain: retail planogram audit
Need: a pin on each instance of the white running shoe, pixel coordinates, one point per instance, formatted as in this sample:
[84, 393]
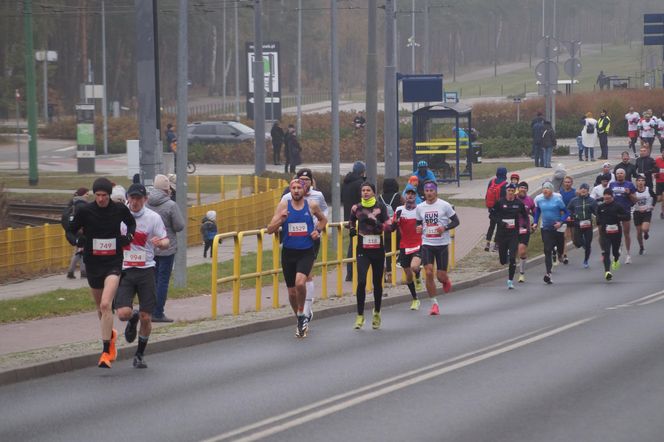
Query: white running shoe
[628, 260]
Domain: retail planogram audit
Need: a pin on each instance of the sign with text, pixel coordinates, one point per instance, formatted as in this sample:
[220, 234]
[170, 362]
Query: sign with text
[271, 80]
[85, 138]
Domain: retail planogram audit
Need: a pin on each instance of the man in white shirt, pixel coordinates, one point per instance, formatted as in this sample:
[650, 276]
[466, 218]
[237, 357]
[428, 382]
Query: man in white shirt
[633, 119]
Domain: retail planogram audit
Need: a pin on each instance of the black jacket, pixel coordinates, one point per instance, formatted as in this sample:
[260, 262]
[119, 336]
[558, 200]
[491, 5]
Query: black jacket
[508, 210]
[277, 134]
[629, 168]
[611, 214]
[350, 192]
[548, 136]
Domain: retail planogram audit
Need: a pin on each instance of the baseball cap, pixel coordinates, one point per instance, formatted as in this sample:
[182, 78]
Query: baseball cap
[137, 189]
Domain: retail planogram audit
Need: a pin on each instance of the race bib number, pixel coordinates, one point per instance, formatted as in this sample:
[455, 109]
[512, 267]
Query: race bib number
[104, 246]
[523, 230]
[297, 229]
[432, 232]
[509, 223]
[133, 258]
[411, 250]
[371, 241]
[562, 228]
[585, 224]
[612, 228]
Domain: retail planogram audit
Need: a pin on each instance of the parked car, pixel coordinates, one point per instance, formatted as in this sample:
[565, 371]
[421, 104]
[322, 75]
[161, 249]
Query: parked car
[219, 132]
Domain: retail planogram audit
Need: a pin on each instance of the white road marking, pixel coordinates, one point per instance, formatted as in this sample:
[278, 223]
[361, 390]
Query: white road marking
[65, 149]
[645, 300]
[411, 378]
[653, 298]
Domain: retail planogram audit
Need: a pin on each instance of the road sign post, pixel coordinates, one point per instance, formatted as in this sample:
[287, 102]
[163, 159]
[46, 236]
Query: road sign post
[85, 138]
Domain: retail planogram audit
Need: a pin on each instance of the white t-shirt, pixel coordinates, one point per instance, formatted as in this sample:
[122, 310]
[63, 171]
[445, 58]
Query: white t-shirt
[598, 192]
[313, 195]
[432, 216]
[647, 128]
[643, 201]
[140, 253]
[633, 119]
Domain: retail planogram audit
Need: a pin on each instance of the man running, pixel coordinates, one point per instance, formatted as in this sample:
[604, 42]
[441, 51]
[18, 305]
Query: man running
[646, 167]
[633, 119]
[297, 254]
[138, 271]
[610, 218]
[405, 219]
[567, 193]
[310, 194]
[435, 218]
[642, 212]
[659, 181]
[598, 191]
[581, 209]
[525, 224]
[507, 213]
[102, 243]
[624, 194]
[629, 168]
[553, 212]
[606, 169]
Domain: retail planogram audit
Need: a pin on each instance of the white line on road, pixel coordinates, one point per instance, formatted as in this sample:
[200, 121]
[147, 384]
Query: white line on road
[411, 378]
[65, 149]
[645, 300]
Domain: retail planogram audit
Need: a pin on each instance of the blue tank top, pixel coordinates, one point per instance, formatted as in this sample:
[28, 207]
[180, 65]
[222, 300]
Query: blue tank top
[298, 227]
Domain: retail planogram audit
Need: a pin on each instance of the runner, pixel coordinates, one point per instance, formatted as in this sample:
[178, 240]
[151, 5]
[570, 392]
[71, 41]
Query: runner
[369, 220]
[624, 195]
[138, 271]
[102, 243]
[610, 218]
[405, 219]
[647, 128]
[310, 194]
[507, 213]
[646, 167]
[633, 119]
[566, 232]
[297, 254]
[627, 166]
[606, 169]
[642, 212]
[552, 210]
[525, 224]
[435, 218]
[598, 191]
[581, 209]
[495, 190]
[659, 180]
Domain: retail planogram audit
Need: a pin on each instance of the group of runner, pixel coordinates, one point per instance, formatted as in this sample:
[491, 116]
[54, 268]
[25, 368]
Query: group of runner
[647, 127]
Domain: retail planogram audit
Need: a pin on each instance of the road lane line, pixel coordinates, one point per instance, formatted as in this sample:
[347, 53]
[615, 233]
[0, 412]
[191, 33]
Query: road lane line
[652, 300]
[65, 149]
[412, 378]
[639, 301]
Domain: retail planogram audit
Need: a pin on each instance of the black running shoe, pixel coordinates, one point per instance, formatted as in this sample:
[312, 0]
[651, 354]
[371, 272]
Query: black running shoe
[302, 324]
[565, 260]
[130, 329]
[139, 362]
[547, 279]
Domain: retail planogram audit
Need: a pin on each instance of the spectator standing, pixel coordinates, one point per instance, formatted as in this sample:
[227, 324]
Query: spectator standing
[423, 174]
[159, 200]
[391, 199]
[359, 122]
[601, 80]
[208, 231]
[548, 143]
[293, 150]
[350, 195]
[537, 128]
[79, 199]
[170, 138]
[277, 134]
[589, 136]
[603, 128]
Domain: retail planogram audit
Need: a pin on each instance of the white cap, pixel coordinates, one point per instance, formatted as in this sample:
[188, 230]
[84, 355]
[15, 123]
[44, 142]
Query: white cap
[118, 194]
[211, 215]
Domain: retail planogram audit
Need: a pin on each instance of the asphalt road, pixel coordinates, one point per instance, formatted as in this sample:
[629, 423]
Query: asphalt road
[580, 360]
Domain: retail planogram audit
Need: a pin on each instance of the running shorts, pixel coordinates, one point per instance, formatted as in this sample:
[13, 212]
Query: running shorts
[294, 261]
[437, 254]
[642, 217]
[632, 134]
[406, 259]
[524, 238]
[141, 282]
[316, 248]
[96, 275]
[659, 188]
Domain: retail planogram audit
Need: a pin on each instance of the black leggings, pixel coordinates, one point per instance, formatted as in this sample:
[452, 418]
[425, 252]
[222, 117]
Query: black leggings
[507, 251]
[549, 240]
[583, 238]
[610, 243]
[376, 260]
[492, 227]
[560, 243]
[208, 246]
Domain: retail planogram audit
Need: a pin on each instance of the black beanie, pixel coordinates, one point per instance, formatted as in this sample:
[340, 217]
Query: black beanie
[103, 184]
[367, 183]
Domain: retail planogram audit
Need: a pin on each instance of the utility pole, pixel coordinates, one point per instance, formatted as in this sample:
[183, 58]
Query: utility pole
[223, 55]
[336, 178]
[370, 157]
[30, 93]
[237, 68]
[390, 116]
[104, 101]
[180, 275]
[299, 67]
[259, 92]
[427, 43]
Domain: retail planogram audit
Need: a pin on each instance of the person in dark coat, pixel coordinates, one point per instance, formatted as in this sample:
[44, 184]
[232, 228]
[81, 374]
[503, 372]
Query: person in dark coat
[537, 127]
[293, 149]
[277, 134]
[350, 195]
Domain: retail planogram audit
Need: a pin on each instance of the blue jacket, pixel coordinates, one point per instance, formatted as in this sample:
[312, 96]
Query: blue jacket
[552, 210]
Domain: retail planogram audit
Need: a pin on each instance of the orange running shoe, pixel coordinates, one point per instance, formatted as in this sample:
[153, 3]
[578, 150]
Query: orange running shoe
[112, 350]
[447, 285]
[434, 310]
[104, 361]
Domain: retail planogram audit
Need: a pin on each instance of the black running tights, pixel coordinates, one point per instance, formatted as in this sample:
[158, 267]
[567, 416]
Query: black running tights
[610, 243]
[376, 260]
[507, 252]
[549, 241]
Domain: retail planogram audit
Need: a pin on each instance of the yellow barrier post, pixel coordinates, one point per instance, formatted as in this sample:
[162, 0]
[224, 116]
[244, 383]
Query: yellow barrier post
[323, 279]
[222, 192]
[275, 269]
[197, 181]
[213, 286]
[354, 262]
[394, 258]
[452, 247]
[256, 184]
[28, 249]
[237, 256]
[340, 254]
[239, 186]
[10, 248]
[259, 269]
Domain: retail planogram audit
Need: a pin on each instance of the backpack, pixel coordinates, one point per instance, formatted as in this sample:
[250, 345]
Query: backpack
[68, 216]
[590, 128]
[493, 193]
[390, 209]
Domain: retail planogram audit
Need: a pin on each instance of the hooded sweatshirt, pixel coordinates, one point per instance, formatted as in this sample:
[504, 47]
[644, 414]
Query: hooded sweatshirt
[350, 191]
[160, 202]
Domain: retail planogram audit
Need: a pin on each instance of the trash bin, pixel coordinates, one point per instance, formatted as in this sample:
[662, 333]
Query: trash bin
[477, 153]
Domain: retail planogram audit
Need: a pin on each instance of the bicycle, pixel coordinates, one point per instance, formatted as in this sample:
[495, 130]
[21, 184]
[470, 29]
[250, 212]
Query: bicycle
[191, 167]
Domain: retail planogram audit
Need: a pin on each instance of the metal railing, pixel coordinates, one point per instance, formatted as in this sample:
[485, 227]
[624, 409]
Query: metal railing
[236, 277]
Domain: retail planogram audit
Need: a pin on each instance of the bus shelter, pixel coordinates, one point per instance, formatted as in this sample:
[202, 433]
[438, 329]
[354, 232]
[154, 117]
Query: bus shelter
[440, 137]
